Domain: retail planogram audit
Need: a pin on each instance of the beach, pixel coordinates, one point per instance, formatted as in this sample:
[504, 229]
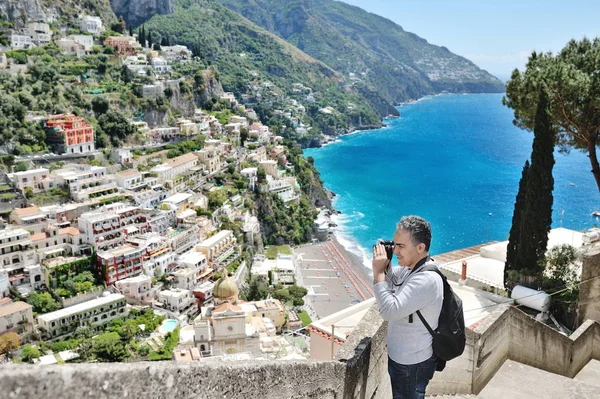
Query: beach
[334, 277]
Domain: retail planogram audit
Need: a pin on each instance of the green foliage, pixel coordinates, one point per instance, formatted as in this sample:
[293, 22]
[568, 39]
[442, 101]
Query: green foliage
[100, 105]
[272, 251]
[109, 348]
[28, 353]
[216, 198]
[280, 224]
[64, 345]
[116, 126]
[573, 88]
[21, 167]
[306, 320]
[42, 302]
[166, 351]
[257, 290]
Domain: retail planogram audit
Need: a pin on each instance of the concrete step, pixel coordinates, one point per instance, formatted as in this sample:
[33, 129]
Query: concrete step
[516, 380]
[590, 374]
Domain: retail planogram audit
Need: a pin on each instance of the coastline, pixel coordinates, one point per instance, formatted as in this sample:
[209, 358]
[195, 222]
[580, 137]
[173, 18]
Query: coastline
[334, 277]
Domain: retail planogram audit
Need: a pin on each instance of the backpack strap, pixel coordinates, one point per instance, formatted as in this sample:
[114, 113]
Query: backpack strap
[427, 326]
[431, 268]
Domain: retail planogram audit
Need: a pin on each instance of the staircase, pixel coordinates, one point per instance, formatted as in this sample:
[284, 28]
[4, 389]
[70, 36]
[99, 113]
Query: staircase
[517, 381]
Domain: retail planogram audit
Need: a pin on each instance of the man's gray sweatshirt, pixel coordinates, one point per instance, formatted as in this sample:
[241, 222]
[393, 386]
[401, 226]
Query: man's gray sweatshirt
[401, 295]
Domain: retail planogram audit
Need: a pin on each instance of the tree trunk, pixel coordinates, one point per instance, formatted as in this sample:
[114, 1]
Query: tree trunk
[594, 161]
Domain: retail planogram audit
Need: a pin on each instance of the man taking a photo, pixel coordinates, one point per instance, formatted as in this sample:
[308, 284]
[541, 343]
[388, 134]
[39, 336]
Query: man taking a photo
[401, 292]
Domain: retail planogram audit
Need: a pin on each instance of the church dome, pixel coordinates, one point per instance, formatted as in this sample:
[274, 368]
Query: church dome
[226, 289]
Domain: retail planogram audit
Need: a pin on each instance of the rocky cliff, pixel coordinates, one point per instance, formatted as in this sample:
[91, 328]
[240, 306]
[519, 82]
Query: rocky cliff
[136, 12]
[19, 12]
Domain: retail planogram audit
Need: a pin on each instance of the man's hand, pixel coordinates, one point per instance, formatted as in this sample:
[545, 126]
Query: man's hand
[380, 263]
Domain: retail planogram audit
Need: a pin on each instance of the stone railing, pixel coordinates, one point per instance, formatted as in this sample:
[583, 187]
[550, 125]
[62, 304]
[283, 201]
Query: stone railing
[359, 369]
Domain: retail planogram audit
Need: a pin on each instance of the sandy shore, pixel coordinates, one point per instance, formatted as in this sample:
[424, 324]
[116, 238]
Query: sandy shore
[335, 278]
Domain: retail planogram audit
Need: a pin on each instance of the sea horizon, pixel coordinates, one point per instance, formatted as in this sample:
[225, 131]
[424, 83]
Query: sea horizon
[469, 180]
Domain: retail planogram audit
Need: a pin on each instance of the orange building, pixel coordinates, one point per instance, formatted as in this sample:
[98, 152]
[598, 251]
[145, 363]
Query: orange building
[69, 134]
[123, 45]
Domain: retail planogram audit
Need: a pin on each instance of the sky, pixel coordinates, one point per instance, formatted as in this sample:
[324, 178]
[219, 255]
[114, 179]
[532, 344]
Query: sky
[498, 36]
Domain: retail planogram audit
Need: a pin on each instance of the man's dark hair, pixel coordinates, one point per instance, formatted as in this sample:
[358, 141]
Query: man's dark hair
[419, 229]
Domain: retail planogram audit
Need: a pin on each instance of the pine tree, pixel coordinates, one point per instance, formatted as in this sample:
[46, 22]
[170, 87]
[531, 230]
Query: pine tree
[514, 237]
[532, 217]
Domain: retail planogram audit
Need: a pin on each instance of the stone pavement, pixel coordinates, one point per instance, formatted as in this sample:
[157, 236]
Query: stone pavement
[516, 380]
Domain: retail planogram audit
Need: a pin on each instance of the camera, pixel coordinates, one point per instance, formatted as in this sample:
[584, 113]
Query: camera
[389, 247]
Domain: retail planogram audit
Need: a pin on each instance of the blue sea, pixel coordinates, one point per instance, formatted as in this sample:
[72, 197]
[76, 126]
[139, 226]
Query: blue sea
[455, 160]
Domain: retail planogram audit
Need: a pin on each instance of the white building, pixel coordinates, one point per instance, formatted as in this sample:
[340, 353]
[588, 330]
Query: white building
[178, 301]
[182, 240]
[102, 229]
[86, 182]
[185, 279]
[18, 260]
[86, 41]
[197, 262]
[160, 65]
[210, 158]
[220, 250]
[36, 179]
[162, 220]
[138, 288]
[130, 179]
[270, 168]
[95, 314]
[91, 25]
[70, 47]
[14, 314]
[251, 175]
[170, 171]
[283, 189]
[21, 42]
[40, 33]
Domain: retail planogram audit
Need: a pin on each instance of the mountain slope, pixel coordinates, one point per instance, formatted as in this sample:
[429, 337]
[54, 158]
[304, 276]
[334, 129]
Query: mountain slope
[398, 64]
[247, 56]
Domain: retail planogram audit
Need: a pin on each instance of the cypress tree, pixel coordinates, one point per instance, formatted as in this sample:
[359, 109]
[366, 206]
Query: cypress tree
[142, 36]
[149, 38]
[164, 41]
[514, 238]
[535, 217]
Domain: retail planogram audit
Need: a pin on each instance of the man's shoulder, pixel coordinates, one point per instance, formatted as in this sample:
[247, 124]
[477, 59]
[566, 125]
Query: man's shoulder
[430, 275]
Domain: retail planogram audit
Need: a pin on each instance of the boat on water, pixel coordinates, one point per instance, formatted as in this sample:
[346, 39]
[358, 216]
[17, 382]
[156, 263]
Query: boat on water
[596, 213]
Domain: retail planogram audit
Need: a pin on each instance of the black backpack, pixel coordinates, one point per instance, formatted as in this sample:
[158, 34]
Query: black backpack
[449, 338]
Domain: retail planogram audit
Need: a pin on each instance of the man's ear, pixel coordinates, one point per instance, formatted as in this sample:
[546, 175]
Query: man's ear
[421, 248]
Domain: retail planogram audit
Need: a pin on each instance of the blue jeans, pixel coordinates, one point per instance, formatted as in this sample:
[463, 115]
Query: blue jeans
[409, 381]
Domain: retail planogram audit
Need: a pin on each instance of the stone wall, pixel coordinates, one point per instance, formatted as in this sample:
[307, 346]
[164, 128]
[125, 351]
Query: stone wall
[589, 290]
[358, 371]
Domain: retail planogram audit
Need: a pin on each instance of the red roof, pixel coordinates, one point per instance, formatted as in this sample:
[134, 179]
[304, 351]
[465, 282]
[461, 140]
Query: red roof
[324, 335]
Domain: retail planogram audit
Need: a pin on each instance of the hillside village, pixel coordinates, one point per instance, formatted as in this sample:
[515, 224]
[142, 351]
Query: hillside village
[145, 250]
